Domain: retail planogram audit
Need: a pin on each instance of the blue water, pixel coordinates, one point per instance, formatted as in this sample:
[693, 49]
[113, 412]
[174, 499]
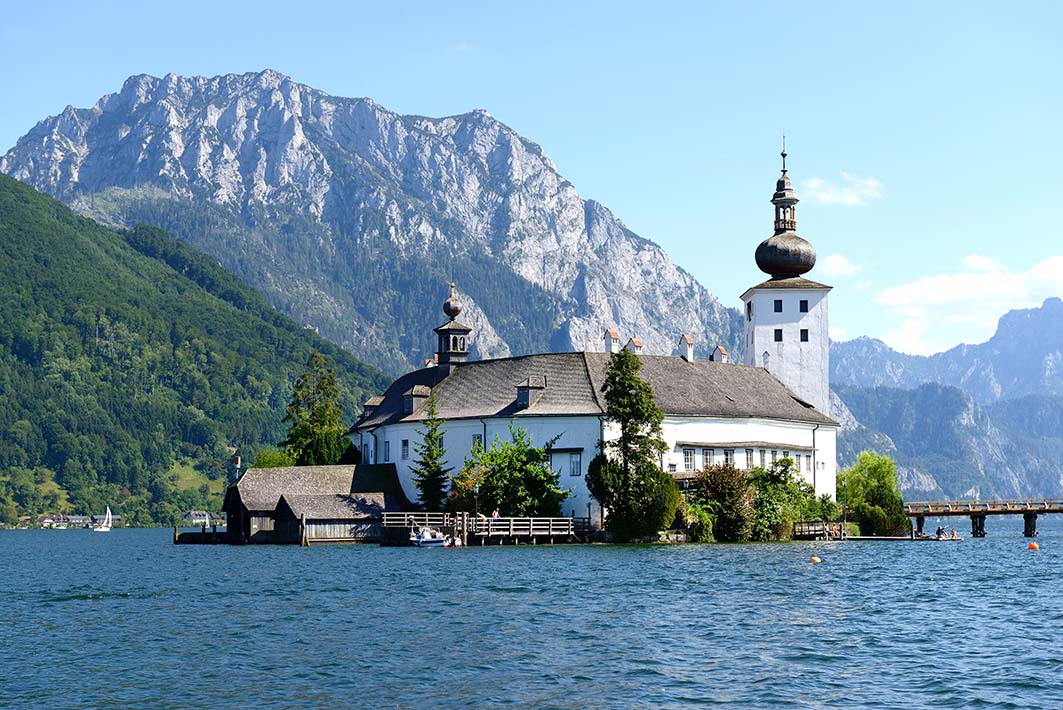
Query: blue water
[127, 619]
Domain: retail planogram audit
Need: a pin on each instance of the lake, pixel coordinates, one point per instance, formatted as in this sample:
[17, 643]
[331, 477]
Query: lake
[126, 619]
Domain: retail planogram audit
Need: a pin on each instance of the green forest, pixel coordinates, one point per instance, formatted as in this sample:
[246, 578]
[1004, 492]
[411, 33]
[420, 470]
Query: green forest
[133, 368]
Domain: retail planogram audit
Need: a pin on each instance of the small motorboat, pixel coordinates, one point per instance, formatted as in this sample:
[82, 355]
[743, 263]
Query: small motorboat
[429, 537]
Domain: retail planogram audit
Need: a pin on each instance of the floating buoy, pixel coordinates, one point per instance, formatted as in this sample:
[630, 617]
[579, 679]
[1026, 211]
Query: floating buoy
[815, 560]
[1033, 546]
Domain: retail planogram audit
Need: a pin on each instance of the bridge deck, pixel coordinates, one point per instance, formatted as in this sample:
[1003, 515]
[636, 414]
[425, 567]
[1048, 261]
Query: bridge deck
[984, 507]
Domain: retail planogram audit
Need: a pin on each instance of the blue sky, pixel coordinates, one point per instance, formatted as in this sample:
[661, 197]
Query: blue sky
[924, 138]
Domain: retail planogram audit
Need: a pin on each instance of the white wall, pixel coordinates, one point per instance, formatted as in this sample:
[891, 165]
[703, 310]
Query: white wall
[583, 432]
[580, 432]
[802, 367]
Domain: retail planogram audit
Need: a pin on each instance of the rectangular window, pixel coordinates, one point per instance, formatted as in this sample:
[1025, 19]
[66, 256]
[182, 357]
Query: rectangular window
[575, 464]
[808, 462]
[405, 449]
[804, 305]
[671, 468]
[778, 305]
[749, 459]
[804, 335]
[763, 458]
[749, 310]
[774, 456]
[477, 440]
[778, 335]
[365, 453]
[387, 451]
[786, 454]
[706, 457]
[729, 457]
[688, 459]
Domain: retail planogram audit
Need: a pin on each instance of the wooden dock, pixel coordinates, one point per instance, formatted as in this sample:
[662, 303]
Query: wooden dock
[977, 510]
[473, 530]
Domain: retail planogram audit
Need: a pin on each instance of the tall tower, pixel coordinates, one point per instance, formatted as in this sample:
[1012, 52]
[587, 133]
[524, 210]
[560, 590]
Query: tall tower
[786, 318]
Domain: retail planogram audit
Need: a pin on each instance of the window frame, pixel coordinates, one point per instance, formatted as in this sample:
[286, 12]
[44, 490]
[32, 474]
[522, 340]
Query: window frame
[778, 305]
[803, 305]
[689, 463]
[804, 335]
[778, 335]
[404, 450]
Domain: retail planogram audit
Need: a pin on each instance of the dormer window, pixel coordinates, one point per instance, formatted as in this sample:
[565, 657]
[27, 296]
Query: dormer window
[529, 391]
[414, 397]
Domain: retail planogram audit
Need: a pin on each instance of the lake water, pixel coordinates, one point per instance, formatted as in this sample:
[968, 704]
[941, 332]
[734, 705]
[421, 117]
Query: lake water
[127, 619]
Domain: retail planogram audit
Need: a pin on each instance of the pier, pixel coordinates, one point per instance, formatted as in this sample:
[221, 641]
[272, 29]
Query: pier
[482, 530]
[977, 510]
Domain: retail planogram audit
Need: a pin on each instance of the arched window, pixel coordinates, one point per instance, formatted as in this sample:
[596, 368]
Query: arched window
[766, 356]
[461, 344]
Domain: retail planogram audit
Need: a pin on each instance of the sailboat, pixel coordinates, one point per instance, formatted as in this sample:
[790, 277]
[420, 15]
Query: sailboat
[105, 526]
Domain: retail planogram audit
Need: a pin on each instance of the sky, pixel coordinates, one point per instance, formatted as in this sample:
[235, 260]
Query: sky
[924, 139]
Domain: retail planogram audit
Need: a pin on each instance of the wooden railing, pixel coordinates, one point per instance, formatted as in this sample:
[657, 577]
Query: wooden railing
[817, 530]
[988, 507]
[523, 527]
[418, 520]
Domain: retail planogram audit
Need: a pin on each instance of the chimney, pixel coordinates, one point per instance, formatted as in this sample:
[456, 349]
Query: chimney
[719, 354]
[685, 347]
[634, 345]
[612, 341]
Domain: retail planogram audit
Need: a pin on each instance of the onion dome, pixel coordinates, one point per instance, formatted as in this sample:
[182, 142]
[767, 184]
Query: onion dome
[784, 254]
[452, 306]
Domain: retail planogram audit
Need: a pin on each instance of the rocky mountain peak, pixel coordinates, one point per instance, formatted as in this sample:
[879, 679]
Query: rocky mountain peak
[346, 214]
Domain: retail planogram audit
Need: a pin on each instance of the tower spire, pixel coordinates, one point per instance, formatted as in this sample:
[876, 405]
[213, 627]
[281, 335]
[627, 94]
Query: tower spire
[783, 153]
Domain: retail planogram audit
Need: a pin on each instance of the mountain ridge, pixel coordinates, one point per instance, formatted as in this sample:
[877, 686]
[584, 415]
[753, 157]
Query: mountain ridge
[320, 200]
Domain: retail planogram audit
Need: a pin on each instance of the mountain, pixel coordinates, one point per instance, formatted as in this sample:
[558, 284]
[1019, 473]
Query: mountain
[132, 367]
[1024, 357]
[352, 219]
[946, 445]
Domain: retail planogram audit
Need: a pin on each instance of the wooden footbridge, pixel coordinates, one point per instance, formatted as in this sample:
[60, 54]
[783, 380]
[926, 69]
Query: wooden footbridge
[480, 530]
[977, 510]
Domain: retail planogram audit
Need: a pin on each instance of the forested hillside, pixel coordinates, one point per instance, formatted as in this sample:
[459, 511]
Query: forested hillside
[132, 367]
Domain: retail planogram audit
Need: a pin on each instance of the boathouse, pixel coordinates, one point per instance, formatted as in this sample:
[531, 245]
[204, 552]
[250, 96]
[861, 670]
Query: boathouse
[252, 502]
[305, 520]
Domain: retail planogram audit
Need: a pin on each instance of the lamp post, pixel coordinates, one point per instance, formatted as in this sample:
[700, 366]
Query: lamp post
[476, 499]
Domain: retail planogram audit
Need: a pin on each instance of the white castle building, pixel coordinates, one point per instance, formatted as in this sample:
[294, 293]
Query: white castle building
[775, 405]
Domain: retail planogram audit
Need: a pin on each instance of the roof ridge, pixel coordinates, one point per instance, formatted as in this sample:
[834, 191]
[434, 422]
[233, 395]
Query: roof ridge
[590, 381]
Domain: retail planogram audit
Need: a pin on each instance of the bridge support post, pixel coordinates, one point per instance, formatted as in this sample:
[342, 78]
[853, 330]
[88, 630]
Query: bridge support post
[978, 525]
[1029, 524]
[919, 520]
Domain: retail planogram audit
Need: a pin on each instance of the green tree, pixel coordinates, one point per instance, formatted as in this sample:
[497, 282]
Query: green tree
[513, 476]
[271, 457]
[871, 494]
[727, 493]
[316, 435]
[626, 478]
[429, 472]
[780, 497]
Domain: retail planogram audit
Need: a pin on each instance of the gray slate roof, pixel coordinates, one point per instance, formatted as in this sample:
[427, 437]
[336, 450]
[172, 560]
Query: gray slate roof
[789, 282]
[262, 488]
[337, 507]
[488, 388]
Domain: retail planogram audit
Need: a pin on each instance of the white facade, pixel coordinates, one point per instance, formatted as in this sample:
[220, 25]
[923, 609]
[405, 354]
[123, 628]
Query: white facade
[776, 328]
[713, 440]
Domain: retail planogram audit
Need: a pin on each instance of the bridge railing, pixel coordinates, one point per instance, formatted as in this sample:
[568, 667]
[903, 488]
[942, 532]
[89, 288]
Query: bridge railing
[1004, 505]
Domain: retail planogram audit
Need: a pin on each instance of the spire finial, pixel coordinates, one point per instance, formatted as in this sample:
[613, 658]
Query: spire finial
[783, 153]
[452, 306]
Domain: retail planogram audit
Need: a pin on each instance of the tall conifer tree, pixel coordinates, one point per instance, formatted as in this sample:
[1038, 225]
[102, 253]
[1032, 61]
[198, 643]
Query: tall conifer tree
[429, 473]
[316, 434]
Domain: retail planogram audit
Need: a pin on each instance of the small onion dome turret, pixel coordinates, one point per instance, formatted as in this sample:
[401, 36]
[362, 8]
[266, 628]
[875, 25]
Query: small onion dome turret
[452, 306]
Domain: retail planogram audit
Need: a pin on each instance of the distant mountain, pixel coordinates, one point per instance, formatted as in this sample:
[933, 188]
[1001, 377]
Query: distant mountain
[353, 219]
[1024, 357]
[947, 445]
[132, 367]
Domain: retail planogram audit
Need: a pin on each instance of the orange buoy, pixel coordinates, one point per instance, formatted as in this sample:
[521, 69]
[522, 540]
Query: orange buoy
[814, 560]
[1033, 546]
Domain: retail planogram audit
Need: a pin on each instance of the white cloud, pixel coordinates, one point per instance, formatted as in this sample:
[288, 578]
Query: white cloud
[938, 311]
[853, 190]
[838, 333]
[977, 262]
[837, 265]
